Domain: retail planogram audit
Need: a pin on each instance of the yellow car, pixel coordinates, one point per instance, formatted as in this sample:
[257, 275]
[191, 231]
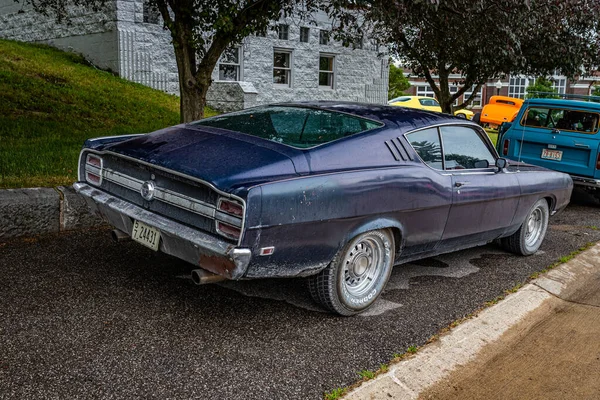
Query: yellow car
[426, 103]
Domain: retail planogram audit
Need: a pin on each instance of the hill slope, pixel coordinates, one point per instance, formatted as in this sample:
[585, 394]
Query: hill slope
[51, 101]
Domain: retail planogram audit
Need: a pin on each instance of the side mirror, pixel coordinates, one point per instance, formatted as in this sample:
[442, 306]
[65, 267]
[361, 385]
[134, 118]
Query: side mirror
[501, 163]
[481, 164]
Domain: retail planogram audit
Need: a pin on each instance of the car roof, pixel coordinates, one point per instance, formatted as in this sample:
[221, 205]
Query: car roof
[564, 103]
[392, 116]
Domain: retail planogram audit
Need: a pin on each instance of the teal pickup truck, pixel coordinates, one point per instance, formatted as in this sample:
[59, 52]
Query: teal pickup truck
[557, 134]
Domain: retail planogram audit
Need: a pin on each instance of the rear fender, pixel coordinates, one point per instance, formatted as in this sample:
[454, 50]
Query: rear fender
[379, 223]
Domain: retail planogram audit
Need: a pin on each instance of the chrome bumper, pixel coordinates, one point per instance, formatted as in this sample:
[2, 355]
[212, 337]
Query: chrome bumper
[181, 241]
[583, 181]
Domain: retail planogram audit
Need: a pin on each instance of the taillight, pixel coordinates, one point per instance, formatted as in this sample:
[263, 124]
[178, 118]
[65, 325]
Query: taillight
[228, 230]
[505, 147]
[598, 161]
[231, 207]
[93, 169]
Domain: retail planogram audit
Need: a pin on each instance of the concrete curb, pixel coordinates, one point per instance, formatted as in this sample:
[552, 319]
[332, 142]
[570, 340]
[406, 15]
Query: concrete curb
[410, 377]
[34, 211]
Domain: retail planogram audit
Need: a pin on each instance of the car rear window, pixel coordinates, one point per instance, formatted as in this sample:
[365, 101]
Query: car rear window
[294, 126]
[561, 119]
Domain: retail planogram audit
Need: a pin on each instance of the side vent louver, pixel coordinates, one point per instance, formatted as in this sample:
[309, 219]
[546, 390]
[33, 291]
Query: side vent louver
[398, 150]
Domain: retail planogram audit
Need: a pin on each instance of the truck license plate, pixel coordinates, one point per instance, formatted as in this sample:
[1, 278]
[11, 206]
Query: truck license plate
[146, 235]
[555, 155]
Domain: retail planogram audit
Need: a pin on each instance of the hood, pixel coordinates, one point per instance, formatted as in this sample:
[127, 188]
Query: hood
[227, 160]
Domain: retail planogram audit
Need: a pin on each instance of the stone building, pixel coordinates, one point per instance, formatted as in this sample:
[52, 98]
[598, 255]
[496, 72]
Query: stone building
[292, 61]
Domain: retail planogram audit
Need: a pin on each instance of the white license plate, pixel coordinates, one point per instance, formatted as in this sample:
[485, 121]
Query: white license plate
[555, 155]
[146, 235]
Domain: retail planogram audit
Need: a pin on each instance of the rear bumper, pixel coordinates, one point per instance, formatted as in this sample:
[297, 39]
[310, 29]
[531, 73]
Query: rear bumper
[181, 241]
[583, 181]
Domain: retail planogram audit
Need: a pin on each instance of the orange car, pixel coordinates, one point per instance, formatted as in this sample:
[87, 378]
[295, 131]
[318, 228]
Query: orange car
[500, 109]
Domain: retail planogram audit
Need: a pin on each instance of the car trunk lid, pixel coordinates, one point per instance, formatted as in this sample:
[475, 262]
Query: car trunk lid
[225, 159]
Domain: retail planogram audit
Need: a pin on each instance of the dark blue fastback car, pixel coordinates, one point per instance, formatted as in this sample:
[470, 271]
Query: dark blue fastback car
[339, 192]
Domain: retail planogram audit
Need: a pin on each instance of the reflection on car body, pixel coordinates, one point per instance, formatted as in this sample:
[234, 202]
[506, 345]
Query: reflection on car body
[337, 192]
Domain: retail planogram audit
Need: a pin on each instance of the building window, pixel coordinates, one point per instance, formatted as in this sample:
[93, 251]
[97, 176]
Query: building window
[283, 31]
[453, 90]
[323, 37]
[517, 87]
[560, 84]
[426, 91]
[151, 13]
[229, 65]
[476, 100]
[304, 34]
[326, 70]
[282, 67]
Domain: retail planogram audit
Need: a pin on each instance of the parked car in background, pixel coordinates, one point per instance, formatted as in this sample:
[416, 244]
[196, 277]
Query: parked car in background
[338, 192]
[427, 103]
[557, 134]
[500, 109]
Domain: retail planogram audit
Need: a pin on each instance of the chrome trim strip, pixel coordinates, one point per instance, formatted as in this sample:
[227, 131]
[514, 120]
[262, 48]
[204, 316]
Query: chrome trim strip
[187, 177]
[173, 198]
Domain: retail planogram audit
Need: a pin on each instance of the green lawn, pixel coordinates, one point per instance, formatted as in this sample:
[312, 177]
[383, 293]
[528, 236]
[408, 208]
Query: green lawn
[51, 101]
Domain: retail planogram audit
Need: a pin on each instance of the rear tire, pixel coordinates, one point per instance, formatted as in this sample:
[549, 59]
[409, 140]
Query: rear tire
[356, 276]
[527, 240]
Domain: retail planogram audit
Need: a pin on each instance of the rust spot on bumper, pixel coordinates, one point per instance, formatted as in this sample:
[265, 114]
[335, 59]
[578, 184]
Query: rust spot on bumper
[217, 265]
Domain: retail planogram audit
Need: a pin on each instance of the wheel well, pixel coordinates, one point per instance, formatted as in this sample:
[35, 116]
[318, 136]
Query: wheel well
[397, 239]
[550, 202]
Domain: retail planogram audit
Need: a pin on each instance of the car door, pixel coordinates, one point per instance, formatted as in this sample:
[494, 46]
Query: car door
[559, 138]
[484, 200]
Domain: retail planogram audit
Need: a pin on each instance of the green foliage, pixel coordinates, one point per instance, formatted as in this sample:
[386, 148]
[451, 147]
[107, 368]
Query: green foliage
[335, 394]
[543, 85]
[480, 39]
[52, 101]
[398, 82]
[366, 374]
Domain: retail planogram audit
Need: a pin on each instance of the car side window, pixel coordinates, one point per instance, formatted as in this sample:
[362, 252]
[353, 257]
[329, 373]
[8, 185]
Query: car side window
[561, 119]
[464, 148]
[427, 145]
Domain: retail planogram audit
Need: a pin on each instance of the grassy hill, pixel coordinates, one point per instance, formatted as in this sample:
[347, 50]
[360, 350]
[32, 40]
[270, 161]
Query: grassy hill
[51, 101]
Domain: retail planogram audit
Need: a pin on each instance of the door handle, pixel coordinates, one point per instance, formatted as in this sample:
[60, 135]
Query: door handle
[460, 184]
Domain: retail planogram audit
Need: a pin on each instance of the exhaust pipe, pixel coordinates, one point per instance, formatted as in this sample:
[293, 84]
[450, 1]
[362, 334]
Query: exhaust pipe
[119, 236]
[202, 277]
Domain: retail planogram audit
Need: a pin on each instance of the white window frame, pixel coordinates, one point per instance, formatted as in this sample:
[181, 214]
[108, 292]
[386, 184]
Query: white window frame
[477, 101]
[425, 90]
[514, 87]
[290, 53]
[238, 65]
[332, 72]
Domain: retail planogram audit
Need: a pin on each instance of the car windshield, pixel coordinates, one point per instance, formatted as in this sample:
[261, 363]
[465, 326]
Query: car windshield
[295, 126]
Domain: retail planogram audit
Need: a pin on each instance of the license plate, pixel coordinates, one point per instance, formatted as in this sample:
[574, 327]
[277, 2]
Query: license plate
[555, 155]
[146, 235]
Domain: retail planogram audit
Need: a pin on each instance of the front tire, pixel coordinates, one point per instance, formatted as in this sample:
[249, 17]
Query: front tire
[528, 239]
[357, 274]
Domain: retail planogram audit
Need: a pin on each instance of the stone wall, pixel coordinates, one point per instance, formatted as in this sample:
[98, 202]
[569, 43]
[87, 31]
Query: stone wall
[123, 40]
[92, 34]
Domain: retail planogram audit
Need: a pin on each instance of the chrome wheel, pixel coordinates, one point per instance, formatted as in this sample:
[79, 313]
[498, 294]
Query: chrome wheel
[534, 226]
[529, 237]
[362, 265]
[357, 274]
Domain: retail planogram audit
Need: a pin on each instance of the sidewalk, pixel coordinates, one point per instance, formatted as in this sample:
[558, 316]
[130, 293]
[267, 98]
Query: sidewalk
[542, 342]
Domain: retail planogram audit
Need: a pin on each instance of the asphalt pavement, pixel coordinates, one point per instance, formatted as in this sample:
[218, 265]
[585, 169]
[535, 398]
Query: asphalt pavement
[83, 317]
